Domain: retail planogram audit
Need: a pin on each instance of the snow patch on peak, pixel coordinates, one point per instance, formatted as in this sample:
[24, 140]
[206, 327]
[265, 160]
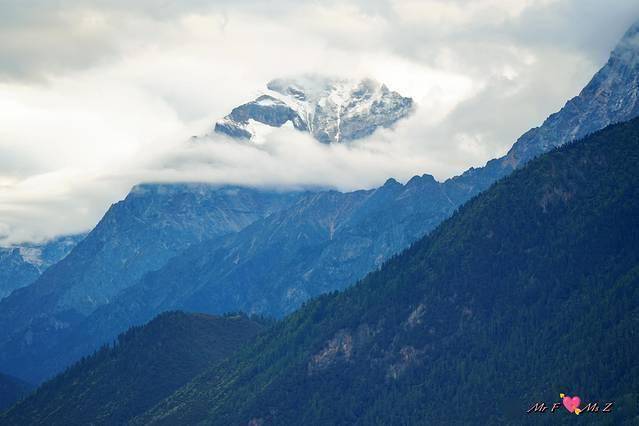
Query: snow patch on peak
[32, 255]
[266, 100]
[333, 110]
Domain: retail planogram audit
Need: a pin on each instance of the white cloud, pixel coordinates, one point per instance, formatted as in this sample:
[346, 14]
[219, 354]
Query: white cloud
[98, 96]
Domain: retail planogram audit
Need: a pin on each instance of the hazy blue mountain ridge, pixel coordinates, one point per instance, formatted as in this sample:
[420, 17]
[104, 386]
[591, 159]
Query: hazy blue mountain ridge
[136, 235]
[530, 289]
[22, 264]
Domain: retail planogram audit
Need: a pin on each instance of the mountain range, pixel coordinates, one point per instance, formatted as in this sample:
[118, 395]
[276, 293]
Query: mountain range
[472, 324]
[201, 247]
[136, 235]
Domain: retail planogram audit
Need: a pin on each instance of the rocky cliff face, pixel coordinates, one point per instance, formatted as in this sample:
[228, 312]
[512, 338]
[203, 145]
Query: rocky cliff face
[332, 110]
[612, 96]
[323, 242]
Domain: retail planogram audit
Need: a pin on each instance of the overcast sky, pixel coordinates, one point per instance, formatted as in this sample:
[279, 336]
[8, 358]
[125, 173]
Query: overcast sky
[96, 96]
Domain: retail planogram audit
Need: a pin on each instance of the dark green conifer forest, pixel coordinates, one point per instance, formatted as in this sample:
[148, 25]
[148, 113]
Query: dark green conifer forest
[144, 365]
[529, 290]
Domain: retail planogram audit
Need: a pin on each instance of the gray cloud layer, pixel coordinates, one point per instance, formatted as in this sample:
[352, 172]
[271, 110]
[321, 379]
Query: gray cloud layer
[96, 96]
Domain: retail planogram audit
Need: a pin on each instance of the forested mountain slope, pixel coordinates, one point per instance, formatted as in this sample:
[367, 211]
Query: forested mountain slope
[145, 365]
[11, 389]
[531, 289]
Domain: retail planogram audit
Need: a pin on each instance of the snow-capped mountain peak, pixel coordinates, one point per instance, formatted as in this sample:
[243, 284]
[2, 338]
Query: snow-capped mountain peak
[333, 110]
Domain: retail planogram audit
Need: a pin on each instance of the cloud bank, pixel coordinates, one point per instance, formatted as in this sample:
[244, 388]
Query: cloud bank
[98, 96]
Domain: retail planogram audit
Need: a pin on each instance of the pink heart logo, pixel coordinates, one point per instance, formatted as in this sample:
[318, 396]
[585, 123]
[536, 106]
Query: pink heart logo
[571, 404]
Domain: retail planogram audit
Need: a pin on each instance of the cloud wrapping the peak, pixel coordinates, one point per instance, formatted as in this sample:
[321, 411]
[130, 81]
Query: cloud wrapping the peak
[97, 96]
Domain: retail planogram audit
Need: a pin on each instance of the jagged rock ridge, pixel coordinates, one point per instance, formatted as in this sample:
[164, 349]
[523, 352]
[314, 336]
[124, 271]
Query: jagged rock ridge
[332, 110]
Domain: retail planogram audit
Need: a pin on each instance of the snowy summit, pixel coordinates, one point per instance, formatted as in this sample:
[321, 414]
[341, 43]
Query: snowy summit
[332, 110]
